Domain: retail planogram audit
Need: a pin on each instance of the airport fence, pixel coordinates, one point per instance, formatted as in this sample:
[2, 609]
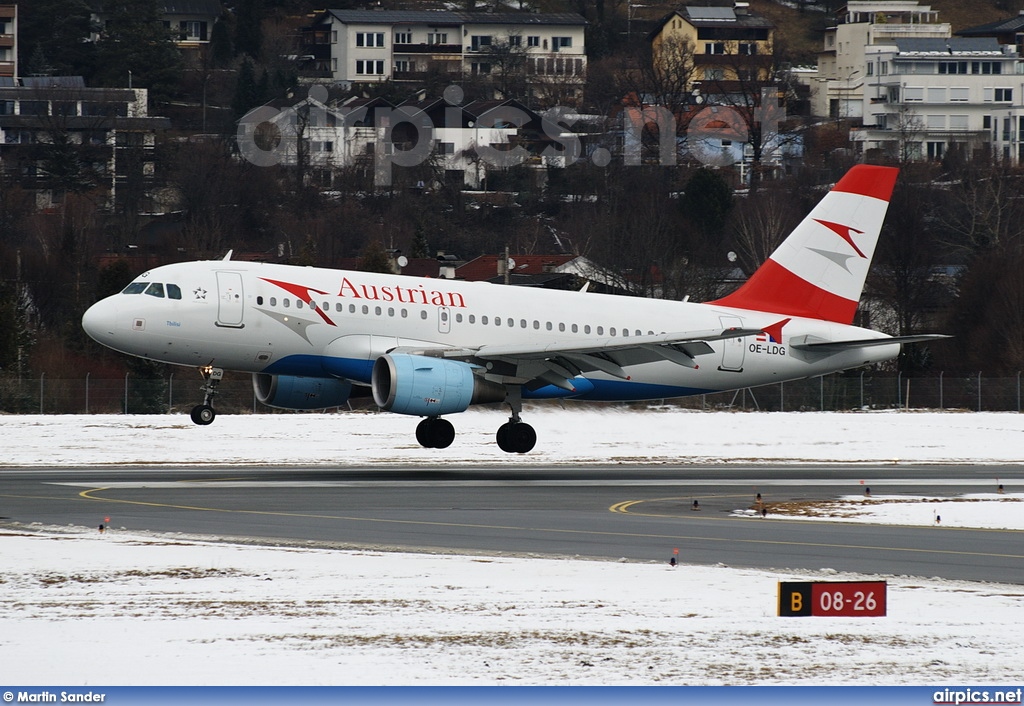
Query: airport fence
[177, 393]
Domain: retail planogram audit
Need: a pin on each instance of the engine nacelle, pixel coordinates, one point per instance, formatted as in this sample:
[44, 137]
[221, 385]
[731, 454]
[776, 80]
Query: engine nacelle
[294, 392]
[429, 387]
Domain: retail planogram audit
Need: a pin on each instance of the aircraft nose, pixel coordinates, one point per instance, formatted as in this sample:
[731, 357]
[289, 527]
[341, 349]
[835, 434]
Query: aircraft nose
[99, 319]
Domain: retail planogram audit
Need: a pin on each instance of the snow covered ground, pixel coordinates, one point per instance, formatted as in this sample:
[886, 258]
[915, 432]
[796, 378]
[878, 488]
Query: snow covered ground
[577, 434]
[130, 608]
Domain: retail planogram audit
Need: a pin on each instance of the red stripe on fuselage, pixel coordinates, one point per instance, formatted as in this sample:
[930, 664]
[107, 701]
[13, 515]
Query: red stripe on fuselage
[774, 288]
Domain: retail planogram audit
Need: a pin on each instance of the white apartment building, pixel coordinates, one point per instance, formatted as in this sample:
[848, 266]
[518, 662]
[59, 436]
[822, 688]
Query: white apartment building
[923, 97]
[466, 141]
[366, 46]
[839, 87]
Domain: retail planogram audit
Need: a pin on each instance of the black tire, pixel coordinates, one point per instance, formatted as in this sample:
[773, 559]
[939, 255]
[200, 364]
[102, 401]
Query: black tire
[517, 438]
[423, 433]
[203, 414]
[435, 433]
[442, 433]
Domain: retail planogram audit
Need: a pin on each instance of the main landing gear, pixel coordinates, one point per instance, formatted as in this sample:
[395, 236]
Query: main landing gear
[203, 414]
[435, 433]
[514, 436]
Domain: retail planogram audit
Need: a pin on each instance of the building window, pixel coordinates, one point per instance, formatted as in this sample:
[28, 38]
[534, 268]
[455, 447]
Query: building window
[936, 94]
[913, 93]
[533, 41]
[515, 40]
[714, 48]
[986, 67]
[373, 68]
[952, 67]
[369, 39]
[747, 48]
[437, 38]
[192, 31]
[403, 37]
[959, 94]
[478, 41]
[561, 43]
[1004, 95]
[958, 122]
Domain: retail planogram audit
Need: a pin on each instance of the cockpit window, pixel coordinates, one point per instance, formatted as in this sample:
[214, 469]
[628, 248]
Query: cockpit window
[134, 288]
[173, 291]
[155, 290]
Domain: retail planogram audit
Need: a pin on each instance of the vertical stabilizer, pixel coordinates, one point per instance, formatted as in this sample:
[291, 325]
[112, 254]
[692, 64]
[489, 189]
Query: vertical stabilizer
[818, 271]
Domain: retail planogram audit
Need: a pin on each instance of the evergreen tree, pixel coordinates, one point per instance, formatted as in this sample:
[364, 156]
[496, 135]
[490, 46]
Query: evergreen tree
[53, 37]
[136, 49]
[220, 44]
[707, 201]
[374, 258]
[247, 91]
[249, 28]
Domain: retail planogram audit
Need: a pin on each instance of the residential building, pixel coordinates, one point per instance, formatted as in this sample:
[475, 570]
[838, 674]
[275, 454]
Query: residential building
[327, 130]
[1009, 31]
[728, 45]
[370, 46]
[57, 136]
[190, 22]
[8, 42]
[841, 79]
[925, 97]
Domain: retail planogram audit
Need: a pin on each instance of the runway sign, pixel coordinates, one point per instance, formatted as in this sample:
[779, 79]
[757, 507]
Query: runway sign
[848, 599]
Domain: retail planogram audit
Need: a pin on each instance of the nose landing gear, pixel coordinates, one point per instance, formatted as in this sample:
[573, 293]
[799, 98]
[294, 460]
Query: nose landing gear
[203, 414]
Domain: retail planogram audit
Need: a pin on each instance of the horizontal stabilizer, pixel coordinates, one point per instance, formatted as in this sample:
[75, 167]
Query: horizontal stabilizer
[826, 346]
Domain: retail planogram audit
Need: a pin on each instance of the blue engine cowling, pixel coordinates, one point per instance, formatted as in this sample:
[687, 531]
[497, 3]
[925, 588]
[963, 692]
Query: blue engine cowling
[294, 392]
[429, 387]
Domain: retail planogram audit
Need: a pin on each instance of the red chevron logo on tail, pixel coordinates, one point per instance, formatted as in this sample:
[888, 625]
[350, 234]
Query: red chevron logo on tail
[844, 232]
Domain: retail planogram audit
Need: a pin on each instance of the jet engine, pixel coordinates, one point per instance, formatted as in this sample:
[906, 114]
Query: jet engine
[429, 387]
[294, 392]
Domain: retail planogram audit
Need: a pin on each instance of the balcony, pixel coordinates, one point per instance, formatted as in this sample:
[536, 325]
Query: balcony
[428, 49]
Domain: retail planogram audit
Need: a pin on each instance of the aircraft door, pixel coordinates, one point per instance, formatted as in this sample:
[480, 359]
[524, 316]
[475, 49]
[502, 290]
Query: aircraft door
[230, 303]
[444, 319]
[733, 349]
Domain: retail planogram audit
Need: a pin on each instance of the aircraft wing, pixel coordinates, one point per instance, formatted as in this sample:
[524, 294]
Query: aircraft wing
[556, 363]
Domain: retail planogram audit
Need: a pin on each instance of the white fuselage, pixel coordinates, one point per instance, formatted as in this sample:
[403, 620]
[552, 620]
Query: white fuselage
[305, 321]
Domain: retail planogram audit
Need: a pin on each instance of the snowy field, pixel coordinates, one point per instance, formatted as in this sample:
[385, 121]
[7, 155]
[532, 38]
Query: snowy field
[131, 608]
[577, 434]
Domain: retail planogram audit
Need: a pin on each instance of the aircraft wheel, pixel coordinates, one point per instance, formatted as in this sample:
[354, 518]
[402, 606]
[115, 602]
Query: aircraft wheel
[435, 433]
[203, 414]
[516, 437]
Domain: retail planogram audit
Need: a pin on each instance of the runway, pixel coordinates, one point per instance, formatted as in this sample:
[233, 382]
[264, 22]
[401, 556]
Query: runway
[632, 512]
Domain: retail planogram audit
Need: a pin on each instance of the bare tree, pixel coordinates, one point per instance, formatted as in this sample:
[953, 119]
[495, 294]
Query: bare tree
[985, 209]
[760, 223]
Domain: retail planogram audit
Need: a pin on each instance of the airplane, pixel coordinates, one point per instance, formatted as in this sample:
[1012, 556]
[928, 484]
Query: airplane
[314, 337]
